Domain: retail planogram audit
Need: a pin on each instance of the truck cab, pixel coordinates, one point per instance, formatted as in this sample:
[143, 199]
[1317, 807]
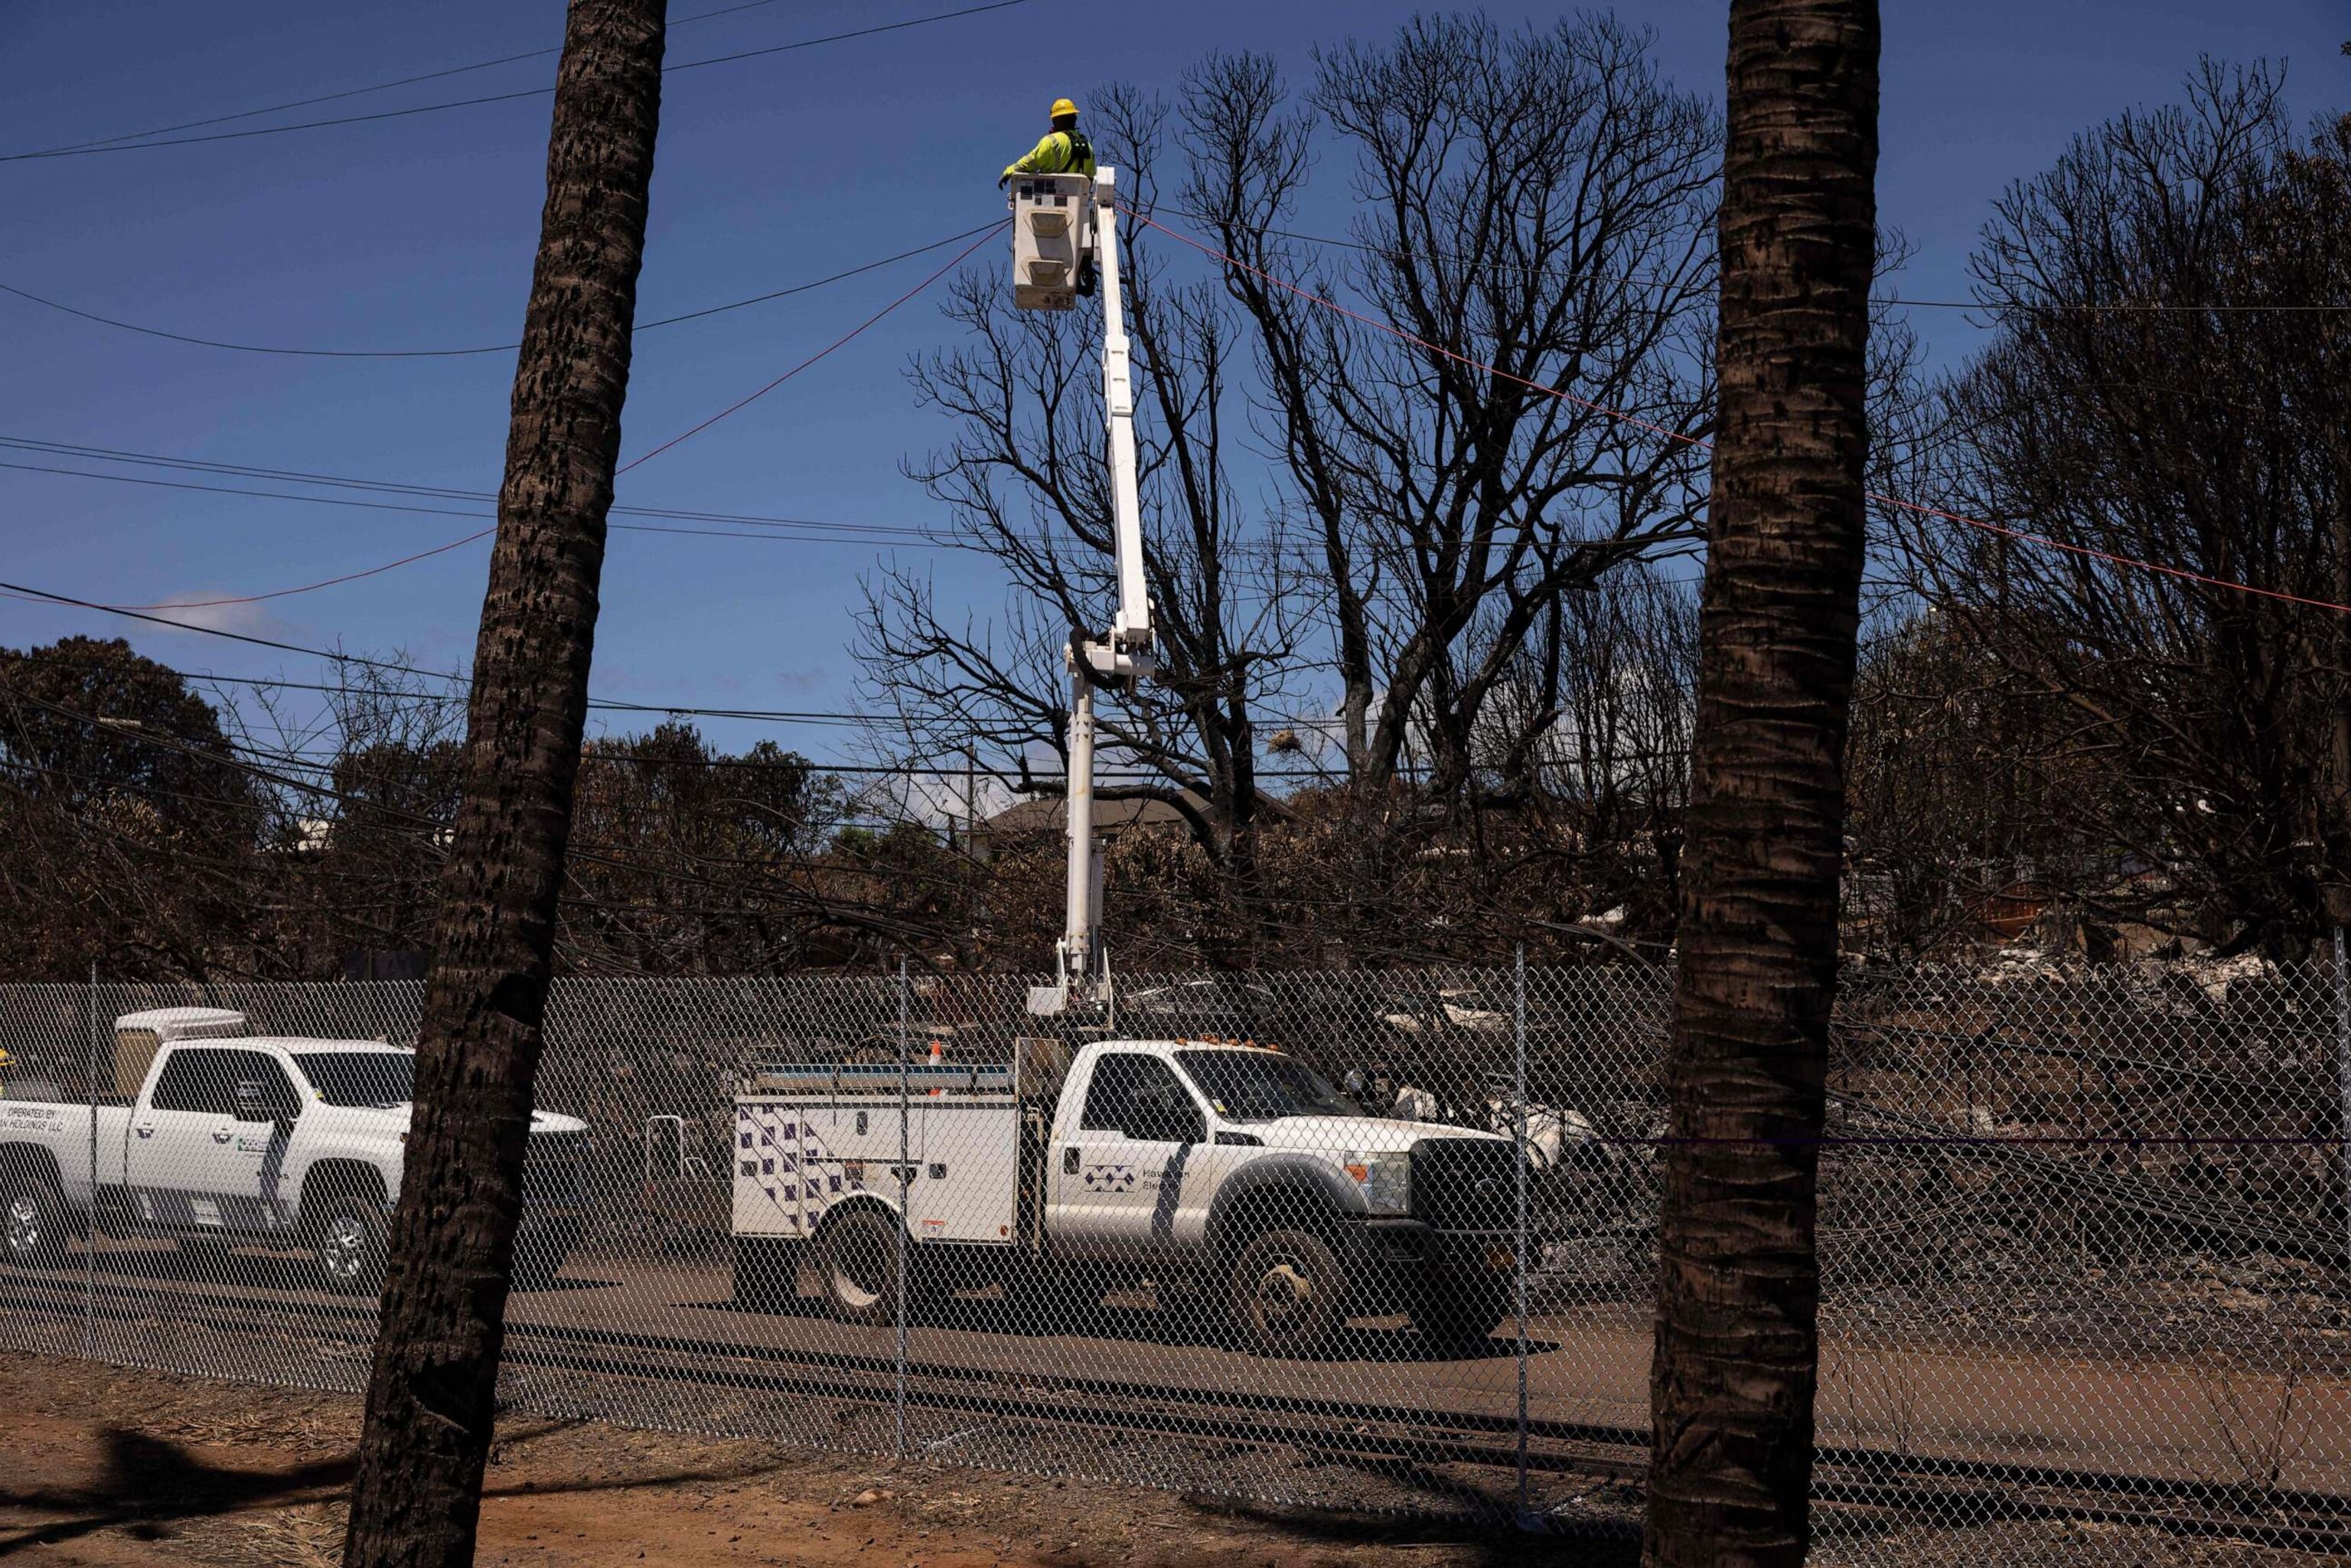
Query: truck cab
[1306, 1209]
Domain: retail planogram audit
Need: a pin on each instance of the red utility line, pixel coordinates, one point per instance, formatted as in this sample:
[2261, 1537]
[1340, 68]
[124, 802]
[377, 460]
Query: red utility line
[1308, 295]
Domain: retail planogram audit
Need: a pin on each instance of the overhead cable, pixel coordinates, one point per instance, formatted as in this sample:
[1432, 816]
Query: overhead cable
[391, 486]
[363, 91]
[743, 403]
[680, 710]
[781, 530]
[123, 145]
[481, 349]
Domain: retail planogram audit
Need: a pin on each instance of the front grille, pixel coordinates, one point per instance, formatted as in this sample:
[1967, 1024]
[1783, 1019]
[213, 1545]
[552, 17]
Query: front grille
[555, 1168]
[1464, 1183]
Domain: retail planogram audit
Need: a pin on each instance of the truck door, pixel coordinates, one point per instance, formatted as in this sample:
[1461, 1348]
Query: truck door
[1118, 1179]
[193, 1164]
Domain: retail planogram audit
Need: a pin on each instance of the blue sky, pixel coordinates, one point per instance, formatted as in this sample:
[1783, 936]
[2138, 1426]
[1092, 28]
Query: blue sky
[418, 232]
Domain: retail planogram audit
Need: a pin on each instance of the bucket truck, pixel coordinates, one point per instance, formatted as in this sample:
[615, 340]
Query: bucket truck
[1233, 1178]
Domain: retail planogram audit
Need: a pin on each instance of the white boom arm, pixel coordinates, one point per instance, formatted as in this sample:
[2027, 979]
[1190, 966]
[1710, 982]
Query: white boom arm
[1124, 656]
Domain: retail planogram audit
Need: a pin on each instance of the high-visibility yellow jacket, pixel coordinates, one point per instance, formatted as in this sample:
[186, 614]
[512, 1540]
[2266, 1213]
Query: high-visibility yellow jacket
[1062, 153]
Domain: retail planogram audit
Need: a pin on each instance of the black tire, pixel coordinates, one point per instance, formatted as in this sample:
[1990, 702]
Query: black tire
[35, 1218]
[766, 1273]
[1458, 1316]
[348, 1240]
[1288, 1293]
[857, 1259]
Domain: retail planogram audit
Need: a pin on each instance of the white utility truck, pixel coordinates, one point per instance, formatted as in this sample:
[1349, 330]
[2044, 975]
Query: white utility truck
[221, 1139]
[1231, 1177]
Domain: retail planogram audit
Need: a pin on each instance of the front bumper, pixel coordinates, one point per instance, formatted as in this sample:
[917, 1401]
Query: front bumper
[1404, 1254]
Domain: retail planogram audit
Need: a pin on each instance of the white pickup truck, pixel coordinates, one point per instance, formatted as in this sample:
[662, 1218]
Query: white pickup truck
[1232, 1177]
[237, 1140]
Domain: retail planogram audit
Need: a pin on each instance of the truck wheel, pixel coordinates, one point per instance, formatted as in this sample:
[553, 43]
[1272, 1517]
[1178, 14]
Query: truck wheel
[857, 1257]
[1459, 1316]
[1288, 1294]
[350, 1242]
[35, 1221]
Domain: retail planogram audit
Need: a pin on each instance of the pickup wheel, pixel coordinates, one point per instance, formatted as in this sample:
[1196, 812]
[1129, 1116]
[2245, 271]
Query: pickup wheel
[856, 1258]
[1288, 1294]
[349, 1238]
[35, 1217]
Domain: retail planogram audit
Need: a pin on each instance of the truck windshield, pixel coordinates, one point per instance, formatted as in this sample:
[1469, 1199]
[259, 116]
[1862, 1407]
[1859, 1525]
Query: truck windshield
[360, 1077]
[1261, 1086]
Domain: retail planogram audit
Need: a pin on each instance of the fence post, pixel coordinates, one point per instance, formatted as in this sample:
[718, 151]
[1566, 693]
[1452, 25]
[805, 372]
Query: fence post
[905, 1214]
[1519, 1130]
[89, 1222]
[2343, 1080]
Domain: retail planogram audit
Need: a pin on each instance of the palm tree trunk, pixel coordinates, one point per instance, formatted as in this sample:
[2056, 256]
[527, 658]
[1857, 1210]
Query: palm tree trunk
[417, 1496]
[1732, 1389]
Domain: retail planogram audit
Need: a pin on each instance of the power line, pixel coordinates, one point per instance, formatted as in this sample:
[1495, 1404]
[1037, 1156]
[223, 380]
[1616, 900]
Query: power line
[359, 92]
[124, 145]
[908, 531]
[741, 403]
[481, 349]
[947, 770]
[683, 436]
[784, 531]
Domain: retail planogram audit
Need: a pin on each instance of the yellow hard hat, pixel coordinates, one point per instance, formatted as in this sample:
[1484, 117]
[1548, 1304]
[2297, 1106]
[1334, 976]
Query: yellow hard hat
[1062, 106]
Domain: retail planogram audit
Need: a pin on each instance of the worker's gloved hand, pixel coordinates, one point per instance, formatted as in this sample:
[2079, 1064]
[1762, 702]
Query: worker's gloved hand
[1002, 181]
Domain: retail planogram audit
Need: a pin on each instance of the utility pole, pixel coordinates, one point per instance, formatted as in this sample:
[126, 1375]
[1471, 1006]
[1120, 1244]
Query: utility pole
[416, 1499]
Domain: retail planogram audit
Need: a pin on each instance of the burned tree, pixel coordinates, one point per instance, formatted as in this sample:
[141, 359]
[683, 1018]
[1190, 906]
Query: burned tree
[416, 1499]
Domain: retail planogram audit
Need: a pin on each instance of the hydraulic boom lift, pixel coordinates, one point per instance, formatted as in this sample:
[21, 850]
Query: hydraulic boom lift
[1062, 227]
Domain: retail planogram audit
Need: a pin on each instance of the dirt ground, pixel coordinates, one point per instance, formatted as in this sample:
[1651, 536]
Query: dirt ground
[103, 1466]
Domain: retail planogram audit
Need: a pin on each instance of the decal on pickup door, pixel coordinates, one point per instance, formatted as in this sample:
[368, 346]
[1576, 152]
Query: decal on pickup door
[1108, 1179]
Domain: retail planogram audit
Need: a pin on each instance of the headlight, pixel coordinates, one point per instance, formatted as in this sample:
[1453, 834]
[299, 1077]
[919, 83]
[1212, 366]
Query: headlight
[1385, 1180]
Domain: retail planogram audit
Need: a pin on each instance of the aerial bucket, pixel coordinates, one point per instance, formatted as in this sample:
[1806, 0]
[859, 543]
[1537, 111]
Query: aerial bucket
[1052, 231]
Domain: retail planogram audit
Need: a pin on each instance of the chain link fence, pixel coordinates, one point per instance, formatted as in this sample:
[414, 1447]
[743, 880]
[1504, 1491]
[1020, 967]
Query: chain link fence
[2084, 1240]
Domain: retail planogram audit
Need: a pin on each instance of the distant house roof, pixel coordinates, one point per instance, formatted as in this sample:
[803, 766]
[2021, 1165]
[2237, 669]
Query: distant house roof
[1048, 814]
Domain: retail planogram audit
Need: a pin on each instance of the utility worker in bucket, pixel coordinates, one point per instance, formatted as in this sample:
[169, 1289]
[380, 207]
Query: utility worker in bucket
[1064, 151]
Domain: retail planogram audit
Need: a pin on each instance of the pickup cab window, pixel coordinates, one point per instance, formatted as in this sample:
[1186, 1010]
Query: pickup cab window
[203, 1081]
[376, 1079]
[1141, 1097]
[1262, 1086]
